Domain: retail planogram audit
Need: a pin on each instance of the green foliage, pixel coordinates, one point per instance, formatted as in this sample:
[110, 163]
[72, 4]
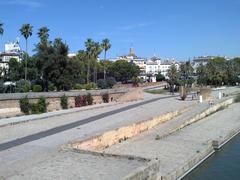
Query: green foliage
[25, 106]
[111, 81]
[37, 88]
[42, 105]
[78, 86]
[51, 87]
[108, 83]
[23, 86]
[101, 83]
[64, 102]
[160, 77]
[89, 99]
[90, 86]
[135, 81]
[105, 98]
[123, 70]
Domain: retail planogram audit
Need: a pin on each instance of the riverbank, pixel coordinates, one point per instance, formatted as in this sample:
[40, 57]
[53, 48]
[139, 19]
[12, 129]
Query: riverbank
[183, 150]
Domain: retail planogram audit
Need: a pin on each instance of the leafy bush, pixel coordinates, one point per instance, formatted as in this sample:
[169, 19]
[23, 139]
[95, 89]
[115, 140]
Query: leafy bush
[89, 99]
[90, 86]
[135, 81]
[42, 105]
[64, 102]
[23, 86]
[101, 83]
[35, 108]
[25, 106]
[160, 77]
[105, 98]
[78, 86]
[37, 88]
[51, 87]
[80, 101]
[111, 81]
[108, 83]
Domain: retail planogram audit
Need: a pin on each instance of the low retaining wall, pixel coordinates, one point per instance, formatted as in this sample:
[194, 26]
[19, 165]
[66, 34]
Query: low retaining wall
[9, 103]
[110, 138]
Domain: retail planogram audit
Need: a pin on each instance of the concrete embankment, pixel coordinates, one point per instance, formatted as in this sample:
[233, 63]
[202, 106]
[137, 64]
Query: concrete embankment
[175, 152]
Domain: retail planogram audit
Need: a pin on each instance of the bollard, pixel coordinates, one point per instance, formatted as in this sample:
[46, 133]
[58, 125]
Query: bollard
[200, 99]
[219, 95]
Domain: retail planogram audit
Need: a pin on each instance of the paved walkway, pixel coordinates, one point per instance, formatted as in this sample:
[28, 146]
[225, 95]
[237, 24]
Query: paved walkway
[176, 150]
[34, 146]
[39, 142]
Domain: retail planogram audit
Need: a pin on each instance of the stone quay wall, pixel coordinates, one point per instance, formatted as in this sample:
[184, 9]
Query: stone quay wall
[9, 103]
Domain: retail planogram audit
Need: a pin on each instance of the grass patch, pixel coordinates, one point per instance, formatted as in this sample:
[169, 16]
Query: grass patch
[157, 91]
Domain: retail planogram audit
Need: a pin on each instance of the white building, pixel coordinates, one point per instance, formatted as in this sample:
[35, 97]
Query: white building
[11, 50]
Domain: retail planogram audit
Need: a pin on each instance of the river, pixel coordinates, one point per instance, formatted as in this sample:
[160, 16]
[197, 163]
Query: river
[222, 165]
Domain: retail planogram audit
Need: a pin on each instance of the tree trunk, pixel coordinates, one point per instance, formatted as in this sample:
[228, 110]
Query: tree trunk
[88, 71]
[104, 68]
[26, 59]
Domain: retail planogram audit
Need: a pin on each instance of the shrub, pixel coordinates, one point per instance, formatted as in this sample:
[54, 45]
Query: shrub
[64, 102]
[89, 99]
[101, 83]
[35, 108]
[90, 86]
[80, 101]
[78, 86]
[111, 81]
[42, 105]
[135, 81]
[105, 98]
[160, 77]
[37, 88]
[25, 105]
[51, 87]
[23, 86]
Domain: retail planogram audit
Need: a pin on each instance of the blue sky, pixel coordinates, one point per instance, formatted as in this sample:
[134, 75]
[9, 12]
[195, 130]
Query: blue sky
[168, 28]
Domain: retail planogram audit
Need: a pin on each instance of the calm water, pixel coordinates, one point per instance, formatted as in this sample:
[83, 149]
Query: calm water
[224, 164]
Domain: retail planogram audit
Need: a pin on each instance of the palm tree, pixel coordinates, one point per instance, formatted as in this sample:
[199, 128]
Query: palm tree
[89, 46]
[105, 46]
[1, 29]
[96, 51]
[26, 32]
[43, 34]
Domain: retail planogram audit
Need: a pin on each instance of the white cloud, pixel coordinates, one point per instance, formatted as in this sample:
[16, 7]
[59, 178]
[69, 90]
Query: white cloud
[28, 3]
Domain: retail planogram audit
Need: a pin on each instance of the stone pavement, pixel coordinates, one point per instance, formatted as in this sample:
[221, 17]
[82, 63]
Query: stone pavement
[17, 159]
[177, 150]
[42, 158]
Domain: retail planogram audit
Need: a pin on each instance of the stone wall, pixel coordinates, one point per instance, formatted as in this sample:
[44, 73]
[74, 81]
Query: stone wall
[10, 102]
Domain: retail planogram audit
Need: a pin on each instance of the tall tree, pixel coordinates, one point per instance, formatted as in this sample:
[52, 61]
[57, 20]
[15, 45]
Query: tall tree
[106, 46]
[43, 34]
[173, 77]
[96, 51]
[89, 46]
[26, 31]
[1, 29]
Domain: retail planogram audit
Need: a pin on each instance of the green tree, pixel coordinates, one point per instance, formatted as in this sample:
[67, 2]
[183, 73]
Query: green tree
[123, 71]
[26, 31]
[105, 46]
[89, 46]
[43, 34]
[1, 29]
[186, 73]
[173, 77]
